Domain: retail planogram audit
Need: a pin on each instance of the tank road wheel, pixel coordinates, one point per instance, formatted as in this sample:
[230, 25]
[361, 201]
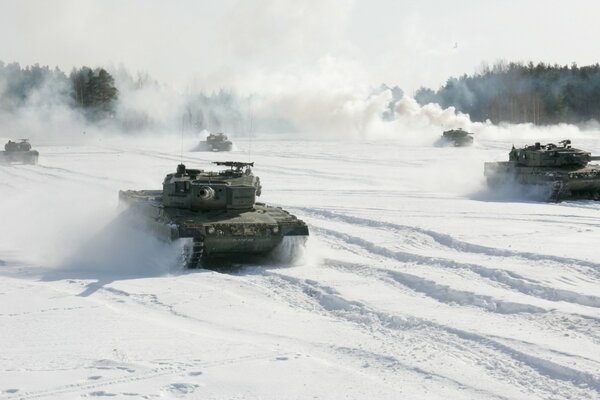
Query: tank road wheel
[192, 253]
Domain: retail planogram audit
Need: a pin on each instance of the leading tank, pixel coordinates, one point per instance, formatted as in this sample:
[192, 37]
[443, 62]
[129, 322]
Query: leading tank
[18, 152]
[217, 142]
[560, 171]
[217, 210]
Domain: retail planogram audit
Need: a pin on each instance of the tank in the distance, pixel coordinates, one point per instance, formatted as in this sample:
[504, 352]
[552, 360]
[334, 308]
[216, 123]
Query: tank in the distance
[216, 142]
[456, 137]
[217, 210]
[556, 172]
[18, 153]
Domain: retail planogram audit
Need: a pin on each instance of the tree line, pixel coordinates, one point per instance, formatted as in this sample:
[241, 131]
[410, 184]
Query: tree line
[517, 92]
[505, 92]
[93, 91]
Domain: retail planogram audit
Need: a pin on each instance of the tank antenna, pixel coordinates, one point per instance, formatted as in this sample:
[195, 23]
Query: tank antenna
[250, 132]
[181, 149]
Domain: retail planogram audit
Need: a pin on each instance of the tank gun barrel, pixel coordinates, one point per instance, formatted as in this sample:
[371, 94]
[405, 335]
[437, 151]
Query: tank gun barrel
[595, 158]
[234, 164]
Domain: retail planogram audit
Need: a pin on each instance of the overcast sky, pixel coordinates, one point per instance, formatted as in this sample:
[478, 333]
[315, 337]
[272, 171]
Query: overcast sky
[244, 43]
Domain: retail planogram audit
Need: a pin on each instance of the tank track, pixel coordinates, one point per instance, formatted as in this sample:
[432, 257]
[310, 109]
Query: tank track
[192, 253]
[557, 189]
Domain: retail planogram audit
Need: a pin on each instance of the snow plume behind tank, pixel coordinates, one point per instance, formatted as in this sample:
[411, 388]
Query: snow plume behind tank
[65, 219]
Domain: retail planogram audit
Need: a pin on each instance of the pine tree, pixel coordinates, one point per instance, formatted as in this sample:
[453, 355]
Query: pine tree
[94, 91]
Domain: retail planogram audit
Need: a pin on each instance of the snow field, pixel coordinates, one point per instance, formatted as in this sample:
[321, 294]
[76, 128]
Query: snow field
[416, 282]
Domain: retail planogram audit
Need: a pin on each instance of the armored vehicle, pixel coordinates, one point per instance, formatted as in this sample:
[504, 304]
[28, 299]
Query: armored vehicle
[560, 171]
[18, 152]
[217, 142]
[217, 210]
[457, 137]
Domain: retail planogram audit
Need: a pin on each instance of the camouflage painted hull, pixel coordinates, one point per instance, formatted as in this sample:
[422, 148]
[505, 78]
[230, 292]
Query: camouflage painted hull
[559, 183]
[459, 142]
[216, 232]
[19, 157]
[226, 146]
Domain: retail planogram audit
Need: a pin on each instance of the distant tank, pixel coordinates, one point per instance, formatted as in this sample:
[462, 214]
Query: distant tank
[560, 171]
[217, 210]
[217, 142]
[18, 152]
[457, 138]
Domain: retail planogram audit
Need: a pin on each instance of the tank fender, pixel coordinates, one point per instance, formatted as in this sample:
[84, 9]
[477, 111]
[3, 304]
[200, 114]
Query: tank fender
[297, 228]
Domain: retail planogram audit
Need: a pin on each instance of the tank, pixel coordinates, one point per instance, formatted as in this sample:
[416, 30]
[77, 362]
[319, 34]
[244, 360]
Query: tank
[217, 210]
[561, 172]
[217, 142]
[18, 153]
[457, 138]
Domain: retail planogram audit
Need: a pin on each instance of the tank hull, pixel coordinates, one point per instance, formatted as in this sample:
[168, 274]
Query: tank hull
[216, 147]
[216, 232]
[457, 141]
[560, 183]
[222, 146]
[19, 157]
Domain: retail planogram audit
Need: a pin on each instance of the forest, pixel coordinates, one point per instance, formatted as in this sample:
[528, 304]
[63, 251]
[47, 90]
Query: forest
[92, 91]
[523, 93]
[96, 94]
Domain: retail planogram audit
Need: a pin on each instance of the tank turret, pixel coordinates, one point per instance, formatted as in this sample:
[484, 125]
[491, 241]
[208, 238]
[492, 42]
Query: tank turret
[551, 155]
[563, 172]
[22, 145]
[233, 188]
[217, 210]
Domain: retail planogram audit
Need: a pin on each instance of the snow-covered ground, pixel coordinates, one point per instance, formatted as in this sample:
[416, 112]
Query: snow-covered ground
[416, 283]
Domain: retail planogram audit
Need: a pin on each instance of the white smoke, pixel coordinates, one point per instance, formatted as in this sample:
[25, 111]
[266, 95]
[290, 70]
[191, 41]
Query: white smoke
[44, 117]
[294, 67]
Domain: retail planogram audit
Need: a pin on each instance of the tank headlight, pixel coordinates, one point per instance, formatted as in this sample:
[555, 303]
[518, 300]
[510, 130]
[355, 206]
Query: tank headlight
[275, 229]
[210, 230]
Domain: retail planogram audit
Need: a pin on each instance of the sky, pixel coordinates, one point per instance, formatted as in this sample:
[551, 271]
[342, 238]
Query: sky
[248, 45]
